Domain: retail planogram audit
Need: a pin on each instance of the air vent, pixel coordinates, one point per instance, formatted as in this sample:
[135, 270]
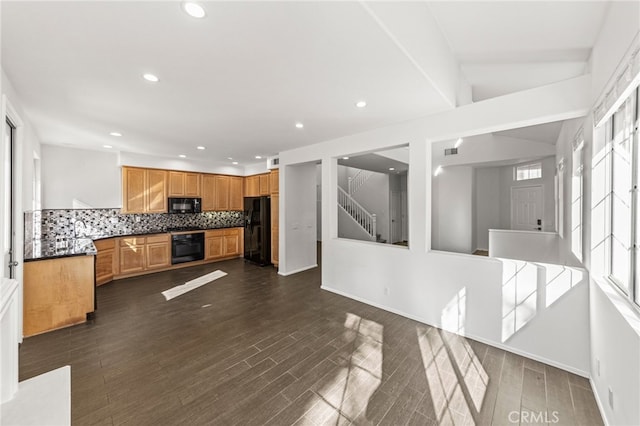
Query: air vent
[450, 151]
[273, 162]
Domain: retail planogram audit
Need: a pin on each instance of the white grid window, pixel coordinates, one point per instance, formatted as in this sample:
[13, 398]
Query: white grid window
[529, 171]
[576, 195]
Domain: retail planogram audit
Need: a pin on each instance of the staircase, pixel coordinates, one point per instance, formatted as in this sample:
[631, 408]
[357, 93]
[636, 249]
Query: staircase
[366, 220]
[357, 180]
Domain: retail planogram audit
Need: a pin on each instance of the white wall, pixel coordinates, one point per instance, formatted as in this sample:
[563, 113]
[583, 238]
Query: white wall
[75, 177]
[298, 218]
[487, 200]
[452, 201]
[615, 329]
[420, 283]
[193, 165]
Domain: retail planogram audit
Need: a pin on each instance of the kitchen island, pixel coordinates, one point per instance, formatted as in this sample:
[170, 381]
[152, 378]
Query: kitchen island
[59, 288]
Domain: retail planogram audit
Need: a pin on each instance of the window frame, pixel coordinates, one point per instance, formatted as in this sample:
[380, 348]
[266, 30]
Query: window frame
[577, 194]
[528, 168]
[632, 290]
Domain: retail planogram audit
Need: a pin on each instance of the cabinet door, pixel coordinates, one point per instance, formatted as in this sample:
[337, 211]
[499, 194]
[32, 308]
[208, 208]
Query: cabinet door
[104, 266]
[275, 211]
[158, 255]
[133, 190]
[231, 242]
[192, 184]
[252, 186]
[222, 192]
[236, 199]
[208, 192]
[274, 181]
[156, 191]
[264, 184]
[176, 184]
[132, 258]
[214, 246]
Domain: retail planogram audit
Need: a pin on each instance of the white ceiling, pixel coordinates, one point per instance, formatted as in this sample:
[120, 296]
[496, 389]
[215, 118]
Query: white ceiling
[547, 133]
[238, 80]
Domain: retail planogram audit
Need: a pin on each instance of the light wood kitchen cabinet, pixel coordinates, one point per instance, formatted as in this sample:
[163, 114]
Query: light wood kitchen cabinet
[156, 192]
[213, 245]
[106, 261]
[184, 184]
[131, 252]
[264, 184]
[221, 243]
[158, 251]
[57, 293]
[236, 196]
[274, 181]
[222, 192]
[252, 186]
[144, 190]
[208, 192]
[275, 228]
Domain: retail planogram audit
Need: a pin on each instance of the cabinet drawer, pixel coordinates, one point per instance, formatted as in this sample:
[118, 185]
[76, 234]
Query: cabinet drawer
[159, 238]
[106, 244]
[232, 231]
[131, 241]
[214, 233]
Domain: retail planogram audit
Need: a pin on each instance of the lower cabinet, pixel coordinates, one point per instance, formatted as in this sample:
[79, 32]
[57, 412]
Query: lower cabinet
[221, 243]
[106, 260]
[158, 251]
[132, 255]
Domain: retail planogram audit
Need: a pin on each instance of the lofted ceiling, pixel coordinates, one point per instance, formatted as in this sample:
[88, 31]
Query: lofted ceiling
[237, 81]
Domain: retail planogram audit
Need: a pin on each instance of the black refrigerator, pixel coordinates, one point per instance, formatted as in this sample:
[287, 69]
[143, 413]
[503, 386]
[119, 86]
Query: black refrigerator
[257, 230]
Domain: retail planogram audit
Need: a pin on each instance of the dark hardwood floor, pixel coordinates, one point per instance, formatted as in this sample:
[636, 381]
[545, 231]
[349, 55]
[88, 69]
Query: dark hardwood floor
[256, 348]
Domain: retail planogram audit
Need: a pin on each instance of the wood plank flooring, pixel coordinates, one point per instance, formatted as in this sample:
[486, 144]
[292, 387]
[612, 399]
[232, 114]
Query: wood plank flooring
[255, 348]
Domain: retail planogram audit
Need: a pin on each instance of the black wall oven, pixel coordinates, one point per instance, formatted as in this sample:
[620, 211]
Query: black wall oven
[185, 205]
[187, 247]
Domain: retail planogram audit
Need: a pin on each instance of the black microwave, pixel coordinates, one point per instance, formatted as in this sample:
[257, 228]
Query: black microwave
[185, 205]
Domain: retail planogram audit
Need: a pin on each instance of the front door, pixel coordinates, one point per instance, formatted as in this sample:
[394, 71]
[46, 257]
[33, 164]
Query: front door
[527, 208]
[6, 196]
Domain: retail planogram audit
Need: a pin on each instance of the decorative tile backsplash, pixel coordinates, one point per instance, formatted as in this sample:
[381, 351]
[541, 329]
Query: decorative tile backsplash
[55, 224]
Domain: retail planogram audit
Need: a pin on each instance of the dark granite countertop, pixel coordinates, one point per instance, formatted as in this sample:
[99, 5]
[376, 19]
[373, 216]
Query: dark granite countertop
[46, 249]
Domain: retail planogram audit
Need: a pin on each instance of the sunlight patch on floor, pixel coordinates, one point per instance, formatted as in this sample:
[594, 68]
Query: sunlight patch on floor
[346, 394]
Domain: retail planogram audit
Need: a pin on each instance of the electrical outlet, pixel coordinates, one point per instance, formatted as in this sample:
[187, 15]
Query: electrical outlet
[386, 291]
[610, 397]
[598, 366]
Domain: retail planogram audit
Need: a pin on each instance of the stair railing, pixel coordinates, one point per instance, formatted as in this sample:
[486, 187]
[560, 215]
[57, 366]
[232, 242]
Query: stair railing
[365, 219]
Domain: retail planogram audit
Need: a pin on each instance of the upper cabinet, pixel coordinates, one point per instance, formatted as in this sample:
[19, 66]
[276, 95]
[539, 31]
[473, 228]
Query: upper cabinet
[144, 190]
[147, 190]
[274, 181]
[257, 185]
[236, 193]
[221, 192]
[184, 184]
[252, 186]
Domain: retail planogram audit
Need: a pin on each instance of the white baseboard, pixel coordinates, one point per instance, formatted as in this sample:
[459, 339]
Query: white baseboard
[295, 271]
[498, 345]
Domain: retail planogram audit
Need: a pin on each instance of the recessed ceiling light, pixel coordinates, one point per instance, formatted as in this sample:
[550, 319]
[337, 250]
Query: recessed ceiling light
[116, 134]
[229, 158]
[258, 157]
[345, 158]
[182, 156]
[201, 148]
[150, 77]
[392, 168]
[234, 162]
[299, 125]
[361, 104]
[107, 146]
[193, 9]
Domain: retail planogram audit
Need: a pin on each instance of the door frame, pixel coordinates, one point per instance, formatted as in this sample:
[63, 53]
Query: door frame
[541, 186]
[9, 112]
